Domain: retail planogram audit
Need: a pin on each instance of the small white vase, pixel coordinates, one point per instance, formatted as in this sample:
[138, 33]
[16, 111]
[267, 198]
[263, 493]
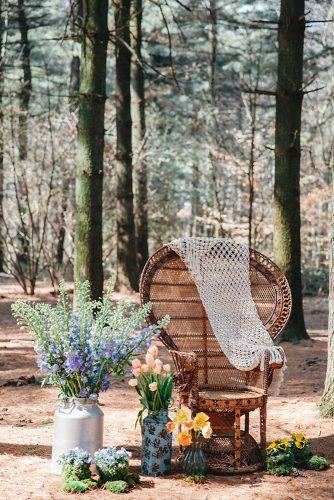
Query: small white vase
[78, 423]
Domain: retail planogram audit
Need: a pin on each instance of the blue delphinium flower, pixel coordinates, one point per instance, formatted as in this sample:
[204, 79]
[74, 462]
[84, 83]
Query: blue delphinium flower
[81, 350]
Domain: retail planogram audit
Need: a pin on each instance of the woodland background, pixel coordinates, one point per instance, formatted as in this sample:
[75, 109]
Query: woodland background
[126, 124]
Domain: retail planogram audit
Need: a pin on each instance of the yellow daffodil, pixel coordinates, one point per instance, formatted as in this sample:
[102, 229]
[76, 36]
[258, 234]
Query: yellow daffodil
[200, 421]
[182, 416]
[207, 430]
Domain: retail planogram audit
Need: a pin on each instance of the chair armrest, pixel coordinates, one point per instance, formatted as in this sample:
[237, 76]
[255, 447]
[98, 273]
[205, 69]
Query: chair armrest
[268, 371]
[186, 375]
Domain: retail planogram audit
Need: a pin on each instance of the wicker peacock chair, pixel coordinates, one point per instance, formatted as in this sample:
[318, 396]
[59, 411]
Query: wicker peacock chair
[205, 380]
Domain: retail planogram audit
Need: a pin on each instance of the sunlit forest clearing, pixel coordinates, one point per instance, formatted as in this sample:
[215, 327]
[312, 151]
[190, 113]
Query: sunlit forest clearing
[127, 124]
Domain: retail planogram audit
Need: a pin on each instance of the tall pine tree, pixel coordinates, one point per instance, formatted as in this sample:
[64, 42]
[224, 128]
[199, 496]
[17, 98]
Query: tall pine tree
[289, 98]
[127, 276]
[138, 136]
[89, 175]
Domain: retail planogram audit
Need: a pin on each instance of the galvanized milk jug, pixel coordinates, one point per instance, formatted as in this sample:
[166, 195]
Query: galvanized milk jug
[78, 422]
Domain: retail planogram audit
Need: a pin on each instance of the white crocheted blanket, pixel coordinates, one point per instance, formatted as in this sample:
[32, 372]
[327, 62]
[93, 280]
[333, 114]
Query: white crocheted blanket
[220, 269]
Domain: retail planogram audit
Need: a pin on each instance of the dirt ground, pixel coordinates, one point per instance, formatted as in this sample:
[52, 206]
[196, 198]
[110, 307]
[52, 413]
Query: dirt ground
[26, 418]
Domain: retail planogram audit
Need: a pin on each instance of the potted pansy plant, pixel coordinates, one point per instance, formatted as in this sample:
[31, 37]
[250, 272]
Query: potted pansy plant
[153, 381]
[81, 350]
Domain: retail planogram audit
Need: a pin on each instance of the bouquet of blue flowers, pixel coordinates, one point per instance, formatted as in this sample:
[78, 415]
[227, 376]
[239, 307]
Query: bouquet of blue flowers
[81, 349]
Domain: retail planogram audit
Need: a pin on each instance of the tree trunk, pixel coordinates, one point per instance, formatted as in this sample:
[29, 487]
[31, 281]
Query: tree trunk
[74, 82]
[327, 400]
[213, 51]
[2, 81]
[195, 201]
[138, 137]
[127, 277]
[89, 175]
[289, 99]
[25, 92]
[73, 103]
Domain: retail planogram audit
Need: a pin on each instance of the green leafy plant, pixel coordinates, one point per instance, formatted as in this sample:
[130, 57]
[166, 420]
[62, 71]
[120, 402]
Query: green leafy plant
[116, 486]
[197, 479]
[301, 448]
[318, 463]
[280, 457]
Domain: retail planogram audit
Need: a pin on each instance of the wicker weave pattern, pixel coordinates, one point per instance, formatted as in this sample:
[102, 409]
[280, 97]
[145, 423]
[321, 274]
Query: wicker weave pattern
[202, 370]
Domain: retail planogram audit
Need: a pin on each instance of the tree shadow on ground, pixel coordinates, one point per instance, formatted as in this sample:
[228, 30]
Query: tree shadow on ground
[22, 450]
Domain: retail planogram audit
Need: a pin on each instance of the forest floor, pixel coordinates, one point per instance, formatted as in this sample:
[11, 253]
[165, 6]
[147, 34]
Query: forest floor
[26, 418]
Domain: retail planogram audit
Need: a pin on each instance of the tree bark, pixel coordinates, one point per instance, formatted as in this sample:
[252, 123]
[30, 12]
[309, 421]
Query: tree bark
[2, 44]
[138, 137]
[127, 277]
[213, 51]
[89, 175]
[25, 92]
[289, 97]
[327, 400]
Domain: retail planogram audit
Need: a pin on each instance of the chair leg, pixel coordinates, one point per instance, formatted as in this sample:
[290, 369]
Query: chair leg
[263, 428]
[246, 423]
[237, 440]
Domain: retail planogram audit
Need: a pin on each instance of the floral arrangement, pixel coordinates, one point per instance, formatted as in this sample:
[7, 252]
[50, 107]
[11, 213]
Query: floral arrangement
[284, 454]
[153, 381]
[80, 350]
[112, 466]
[192, 429]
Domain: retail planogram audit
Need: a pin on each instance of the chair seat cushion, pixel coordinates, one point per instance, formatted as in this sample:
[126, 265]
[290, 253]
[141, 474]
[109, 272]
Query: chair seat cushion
[229, 399]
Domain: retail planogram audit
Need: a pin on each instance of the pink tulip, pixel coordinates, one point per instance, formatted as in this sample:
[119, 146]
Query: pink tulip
[157, 369]
[136, 363]
[149, 360]
[166, 368]
[153, 350]
[144, 368]
[158, 362]
[153, 386]
[136, 372]
[133, 382]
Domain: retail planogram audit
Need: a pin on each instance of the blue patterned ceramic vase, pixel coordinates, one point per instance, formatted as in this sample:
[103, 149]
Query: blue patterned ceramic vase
[156, 445]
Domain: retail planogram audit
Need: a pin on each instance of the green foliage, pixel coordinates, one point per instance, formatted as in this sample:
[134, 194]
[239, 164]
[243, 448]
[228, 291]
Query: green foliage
[280, 463]
[197, 479]
[116, 486]
[76, 473]
[75, 486]
[315, 281]
[284, 469]
[318, 463]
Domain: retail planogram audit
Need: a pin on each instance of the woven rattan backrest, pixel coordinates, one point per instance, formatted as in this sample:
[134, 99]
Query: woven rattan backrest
[168, 285]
